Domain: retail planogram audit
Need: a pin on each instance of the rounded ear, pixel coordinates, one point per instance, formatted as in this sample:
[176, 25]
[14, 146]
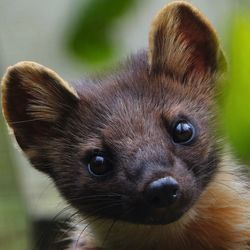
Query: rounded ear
[35, 100]
[182, 42]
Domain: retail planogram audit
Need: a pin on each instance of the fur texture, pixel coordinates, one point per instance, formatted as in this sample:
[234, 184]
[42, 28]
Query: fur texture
[128, 120]
[219, 220]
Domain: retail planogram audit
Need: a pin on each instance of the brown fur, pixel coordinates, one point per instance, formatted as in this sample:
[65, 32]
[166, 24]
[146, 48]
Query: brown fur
[129, 116]
[219, 220]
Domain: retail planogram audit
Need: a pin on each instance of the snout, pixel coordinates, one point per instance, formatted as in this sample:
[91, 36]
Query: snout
[163, 200]
[163, 192]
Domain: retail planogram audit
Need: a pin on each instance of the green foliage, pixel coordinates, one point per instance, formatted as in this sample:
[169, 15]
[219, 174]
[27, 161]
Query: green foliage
[90, 40]
[13, 224]
[237, 95]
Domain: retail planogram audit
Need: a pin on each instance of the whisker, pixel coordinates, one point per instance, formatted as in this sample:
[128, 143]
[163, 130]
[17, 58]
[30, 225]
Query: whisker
[27, 121]
[83, 220]
[108, 232]
[76, 244]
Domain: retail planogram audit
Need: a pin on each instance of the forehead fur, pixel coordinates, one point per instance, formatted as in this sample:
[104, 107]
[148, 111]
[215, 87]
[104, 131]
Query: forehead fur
[134, 89]
[132, 102]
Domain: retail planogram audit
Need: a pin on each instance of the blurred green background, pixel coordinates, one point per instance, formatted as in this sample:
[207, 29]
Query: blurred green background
[75, 37]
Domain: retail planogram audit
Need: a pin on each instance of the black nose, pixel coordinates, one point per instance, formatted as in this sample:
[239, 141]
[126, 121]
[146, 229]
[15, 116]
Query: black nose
[162, 192]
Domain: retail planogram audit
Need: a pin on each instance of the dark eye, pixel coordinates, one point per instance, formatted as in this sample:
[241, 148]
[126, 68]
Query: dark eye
[98, 165]
[183, 132]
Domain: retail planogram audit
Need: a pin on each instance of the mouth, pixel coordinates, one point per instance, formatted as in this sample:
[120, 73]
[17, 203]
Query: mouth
[149, 216]
[140, 215]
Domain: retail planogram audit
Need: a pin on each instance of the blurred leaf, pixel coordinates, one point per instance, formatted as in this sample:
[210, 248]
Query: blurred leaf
[90, 39]
[13, 224]
[237, 98]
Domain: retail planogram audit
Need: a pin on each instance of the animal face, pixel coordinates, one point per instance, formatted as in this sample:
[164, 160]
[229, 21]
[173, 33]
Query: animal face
[139, 147]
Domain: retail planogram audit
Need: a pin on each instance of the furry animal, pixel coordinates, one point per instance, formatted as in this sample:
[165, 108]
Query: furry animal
[138, 155]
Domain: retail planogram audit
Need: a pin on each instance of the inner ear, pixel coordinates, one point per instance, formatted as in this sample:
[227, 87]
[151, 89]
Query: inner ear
[182, 42]
[34, 100]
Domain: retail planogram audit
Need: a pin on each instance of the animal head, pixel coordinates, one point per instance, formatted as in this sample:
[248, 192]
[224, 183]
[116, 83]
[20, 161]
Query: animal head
[139, 147]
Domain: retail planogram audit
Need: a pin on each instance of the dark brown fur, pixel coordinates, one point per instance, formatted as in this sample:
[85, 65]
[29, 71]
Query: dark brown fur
[128, 116]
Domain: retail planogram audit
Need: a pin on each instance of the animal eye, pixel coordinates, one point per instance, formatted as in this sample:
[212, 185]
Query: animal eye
[98, 166]
[183, 132]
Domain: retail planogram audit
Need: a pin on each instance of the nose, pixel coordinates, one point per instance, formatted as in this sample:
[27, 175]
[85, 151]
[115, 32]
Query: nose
[162, 192]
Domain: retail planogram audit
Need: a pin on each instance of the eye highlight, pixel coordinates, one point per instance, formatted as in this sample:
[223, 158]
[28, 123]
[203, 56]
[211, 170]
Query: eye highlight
[183, 132]
[98, 165]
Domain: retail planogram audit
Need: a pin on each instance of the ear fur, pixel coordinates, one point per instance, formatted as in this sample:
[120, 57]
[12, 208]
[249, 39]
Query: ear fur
[34, 99]
[182, 42]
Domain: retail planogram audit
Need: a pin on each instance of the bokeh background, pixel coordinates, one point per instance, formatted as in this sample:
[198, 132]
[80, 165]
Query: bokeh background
[79, 37]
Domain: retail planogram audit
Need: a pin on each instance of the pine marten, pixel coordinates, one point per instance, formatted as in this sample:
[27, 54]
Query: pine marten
[137, 152]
